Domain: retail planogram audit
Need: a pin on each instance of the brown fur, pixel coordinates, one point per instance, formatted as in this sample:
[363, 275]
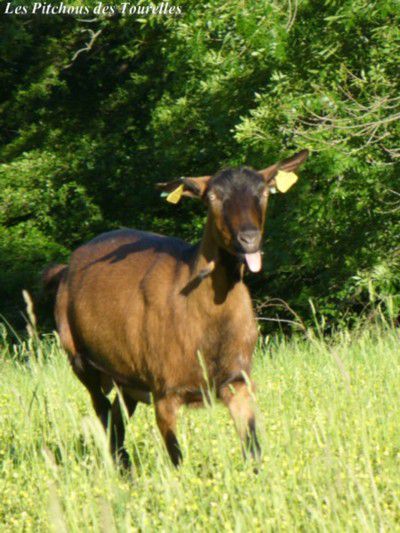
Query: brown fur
[51, 278]
[136, 310]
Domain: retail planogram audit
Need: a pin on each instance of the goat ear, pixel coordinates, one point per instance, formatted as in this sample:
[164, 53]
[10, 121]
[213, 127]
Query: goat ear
[292, 163]
[196, 187]
[269, 173]
[191, 187]
[281, 175]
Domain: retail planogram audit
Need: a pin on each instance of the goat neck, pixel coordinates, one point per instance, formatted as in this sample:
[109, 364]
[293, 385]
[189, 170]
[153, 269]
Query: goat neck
[215, 269]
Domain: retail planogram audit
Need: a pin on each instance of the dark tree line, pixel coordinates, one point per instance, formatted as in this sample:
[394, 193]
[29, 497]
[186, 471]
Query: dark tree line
[94, 112]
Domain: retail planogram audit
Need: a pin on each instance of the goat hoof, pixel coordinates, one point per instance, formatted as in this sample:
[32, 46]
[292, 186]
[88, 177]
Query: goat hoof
[122, 459]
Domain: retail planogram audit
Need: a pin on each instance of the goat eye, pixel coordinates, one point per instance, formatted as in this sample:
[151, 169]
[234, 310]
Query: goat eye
[212, 196]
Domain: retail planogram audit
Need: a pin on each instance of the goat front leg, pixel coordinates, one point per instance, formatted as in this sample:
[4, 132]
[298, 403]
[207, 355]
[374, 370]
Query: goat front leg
[238, 398]
[166, 415]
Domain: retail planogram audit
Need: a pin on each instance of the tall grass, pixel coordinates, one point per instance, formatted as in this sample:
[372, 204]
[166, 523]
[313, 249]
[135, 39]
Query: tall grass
[329, 430]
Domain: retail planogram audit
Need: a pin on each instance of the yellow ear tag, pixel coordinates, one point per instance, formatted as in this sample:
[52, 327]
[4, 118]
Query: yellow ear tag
[175, 195]
[284, 180]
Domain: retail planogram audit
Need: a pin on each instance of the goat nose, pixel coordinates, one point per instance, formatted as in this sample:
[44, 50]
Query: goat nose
[249, 239]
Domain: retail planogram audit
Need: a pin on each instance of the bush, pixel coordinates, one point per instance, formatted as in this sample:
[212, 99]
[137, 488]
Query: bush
[85, 137]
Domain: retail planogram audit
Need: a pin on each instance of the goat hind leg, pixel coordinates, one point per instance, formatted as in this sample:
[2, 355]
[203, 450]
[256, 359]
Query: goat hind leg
[117, 427]
[91, 378]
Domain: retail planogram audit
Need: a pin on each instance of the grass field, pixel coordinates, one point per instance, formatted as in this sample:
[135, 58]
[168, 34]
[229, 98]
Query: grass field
[329, 428]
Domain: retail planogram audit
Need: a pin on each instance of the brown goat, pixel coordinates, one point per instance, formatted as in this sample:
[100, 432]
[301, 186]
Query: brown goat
[158, 317]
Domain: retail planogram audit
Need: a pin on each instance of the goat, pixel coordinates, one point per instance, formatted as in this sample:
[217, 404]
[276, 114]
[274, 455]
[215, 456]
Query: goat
[152, 314]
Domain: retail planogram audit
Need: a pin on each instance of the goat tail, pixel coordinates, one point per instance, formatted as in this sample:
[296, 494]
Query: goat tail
[52, 277]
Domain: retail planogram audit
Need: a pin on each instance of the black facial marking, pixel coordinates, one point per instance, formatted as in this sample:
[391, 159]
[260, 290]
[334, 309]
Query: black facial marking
[239, 208]
[243, 181]
[258, 209]
[239, 190]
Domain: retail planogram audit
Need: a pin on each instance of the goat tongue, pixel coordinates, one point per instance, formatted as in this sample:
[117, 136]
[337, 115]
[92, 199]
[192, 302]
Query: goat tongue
[253, 261]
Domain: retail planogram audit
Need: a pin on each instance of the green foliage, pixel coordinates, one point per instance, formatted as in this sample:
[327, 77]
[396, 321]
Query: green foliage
[328, 426]
[84, 137]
